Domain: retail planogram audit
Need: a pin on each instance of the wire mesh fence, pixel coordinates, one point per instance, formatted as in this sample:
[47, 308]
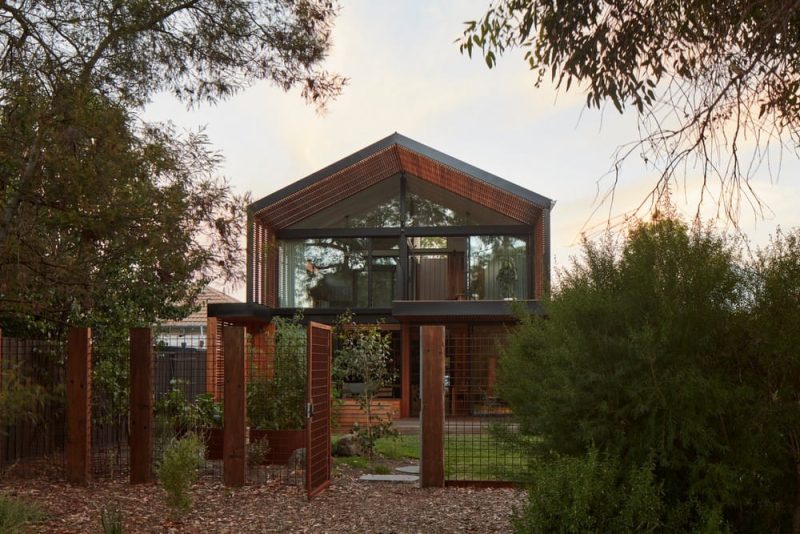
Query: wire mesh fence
[32, 429]
[185, 400]
[478, 424]
[276, 373]
[109, 406]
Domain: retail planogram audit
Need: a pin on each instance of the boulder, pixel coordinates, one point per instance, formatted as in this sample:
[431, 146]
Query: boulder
[298, 459]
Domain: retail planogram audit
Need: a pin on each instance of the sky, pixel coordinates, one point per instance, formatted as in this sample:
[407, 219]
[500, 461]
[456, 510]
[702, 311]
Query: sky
[406, 75]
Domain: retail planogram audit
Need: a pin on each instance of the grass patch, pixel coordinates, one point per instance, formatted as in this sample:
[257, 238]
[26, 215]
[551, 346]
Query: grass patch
[481, 457]
[14, 514]
[398, 448]
[467, 456]
[358, 462]
[381, 469]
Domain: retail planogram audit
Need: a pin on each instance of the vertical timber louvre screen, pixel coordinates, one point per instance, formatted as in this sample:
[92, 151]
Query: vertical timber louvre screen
[318, 441]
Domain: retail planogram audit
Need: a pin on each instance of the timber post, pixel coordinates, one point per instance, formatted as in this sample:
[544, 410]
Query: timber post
[234, 445]
[141, 405]
[79, 405]
[432, 413]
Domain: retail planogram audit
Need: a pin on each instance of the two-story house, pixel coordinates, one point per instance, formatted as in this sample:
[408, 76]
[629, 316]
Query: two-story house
[401, 232]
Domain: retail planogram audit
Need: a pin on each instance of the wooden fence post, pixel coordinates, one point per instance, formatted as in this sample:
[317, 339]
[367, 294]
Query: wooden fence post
[234, 445]
[432, 412]
[141, 405]
[79, 405]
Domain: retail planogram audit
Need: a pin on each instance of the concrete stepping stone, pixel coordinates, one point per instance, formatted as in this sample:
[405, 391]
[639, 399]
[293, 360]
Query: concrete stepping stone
[410, 469]
[408, 479]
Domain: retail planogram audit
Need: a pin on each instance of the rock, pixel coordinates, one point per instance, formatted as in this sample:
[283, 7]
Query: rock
[297, 460]
[347, 445]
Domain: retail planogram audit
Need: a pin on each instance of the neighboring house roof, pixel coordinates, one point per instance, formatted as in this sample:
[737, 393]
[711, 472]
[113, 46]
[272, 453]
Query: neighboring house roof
[208, 296]
[388, 157]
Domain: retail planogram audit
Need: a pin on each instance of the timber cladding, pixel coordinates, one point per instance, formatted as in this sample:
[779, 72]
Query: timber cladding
[384, 164]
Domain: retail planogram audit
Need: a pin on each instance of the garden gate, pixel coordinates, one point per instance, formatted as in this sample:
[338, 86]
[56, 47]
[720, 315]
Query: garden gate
[318, 412]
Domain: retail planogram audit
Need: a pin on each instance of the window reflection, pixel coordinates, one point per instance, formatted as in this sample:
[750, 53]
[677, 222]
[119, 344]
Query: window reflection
[497, 268]
[323, 273]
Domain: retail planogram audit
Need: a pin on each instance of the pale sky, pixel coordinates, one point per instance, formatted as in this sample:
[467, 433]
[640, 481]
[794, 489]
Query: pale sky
[406, 75]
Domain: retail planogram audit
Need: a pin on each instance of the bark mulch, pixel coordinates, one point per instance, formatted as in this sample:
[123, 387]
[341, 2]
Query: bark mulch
[348, 506]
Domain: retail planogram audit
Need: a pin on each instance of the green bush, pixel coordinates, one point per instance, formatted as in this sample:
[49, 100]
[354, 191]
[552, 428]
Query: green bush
[278, 402]
[669, 347]
[178, 470]
[590, 494]
[111, 519]
[15, 514]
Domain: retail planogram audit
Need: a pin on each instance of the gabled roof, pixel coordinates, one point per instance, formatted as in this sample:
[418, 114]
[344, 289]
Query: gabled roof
[389, 156]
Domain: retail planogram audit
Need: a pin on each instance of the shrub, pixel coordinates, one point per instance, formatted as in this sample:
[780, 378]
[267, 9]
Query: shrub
[111, 519]
[257, 452]
[15, 514]
[178, 470]
[590, 494]
[381, 469]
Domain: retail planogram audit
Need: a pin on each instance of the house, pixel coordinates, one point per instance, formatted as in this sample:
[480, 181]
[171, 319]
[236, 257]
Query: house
[403, 233]
[182, 353]
[190, 332]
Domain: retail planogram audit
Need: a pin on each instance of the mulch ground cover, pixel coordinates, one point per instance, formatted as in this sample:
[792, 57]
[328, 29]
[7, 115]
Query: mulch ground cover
[348, 506]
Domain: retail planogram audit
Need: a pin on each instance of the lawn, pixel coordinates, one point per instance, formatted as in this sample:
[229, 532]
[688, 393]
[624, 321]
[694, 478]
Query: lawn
[467, 456]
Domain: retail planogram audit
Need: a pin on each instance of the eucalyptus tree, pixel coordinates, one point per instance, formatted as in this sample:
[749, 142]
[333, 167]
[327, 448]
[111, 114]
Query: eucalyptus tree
[707, 80]
[106, 218]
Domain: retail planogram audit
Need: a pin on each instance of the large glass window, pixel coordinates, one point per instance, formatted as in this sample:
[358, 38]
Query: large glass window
[383, 271]
[323, 273]
[498, 268]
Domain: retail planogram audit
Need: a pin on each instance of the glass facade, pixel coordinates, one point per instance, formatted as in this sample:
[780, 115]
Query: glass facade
[323, 273]
[365, 272]
[498, 268]
[370, 272]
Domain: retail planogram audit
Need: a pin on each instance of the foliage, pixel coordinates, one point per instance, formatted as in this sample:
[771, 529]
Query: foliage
[362, 355]
[591, 493]
[15, 515]
[183, 416]
[645, 354]
[257, 451]
[368, 435]
[74, 76]
[278, 402]
[178, 470]
[702, 76]
[111, 519]
[21, 399]
[381, 469]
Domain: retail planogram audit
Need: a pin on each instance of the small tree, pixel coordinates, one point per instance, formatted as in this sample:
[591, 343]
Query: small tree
[363, 355]
[278, 402]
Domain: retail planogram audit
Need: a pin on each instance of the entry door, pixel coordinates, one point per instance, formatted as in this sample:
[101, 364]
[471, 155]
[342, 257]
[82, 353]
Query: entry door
[318, 412]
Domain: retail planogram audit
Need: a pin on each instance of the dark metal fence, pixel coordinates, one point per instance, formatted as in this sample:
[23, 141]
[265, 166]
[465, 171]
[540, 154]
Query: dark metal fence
[109, 410]
[476, 417]
[32, 436]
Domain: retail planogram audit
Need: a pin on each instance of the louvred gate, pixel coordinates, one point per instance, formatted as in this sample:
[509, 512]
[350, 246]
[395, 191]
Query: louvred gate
[318, 412]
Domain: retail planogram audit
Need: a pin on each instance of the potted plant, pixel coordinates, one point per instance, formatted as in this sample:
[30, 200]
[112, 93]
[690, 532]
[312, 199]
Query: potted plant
[276, 403]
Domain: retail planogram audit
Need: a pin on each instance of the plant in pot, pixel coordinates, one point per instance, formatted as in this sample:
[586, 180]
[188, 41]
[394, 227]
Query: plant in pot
[178, 416]
[362, 357]
[276, 401]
